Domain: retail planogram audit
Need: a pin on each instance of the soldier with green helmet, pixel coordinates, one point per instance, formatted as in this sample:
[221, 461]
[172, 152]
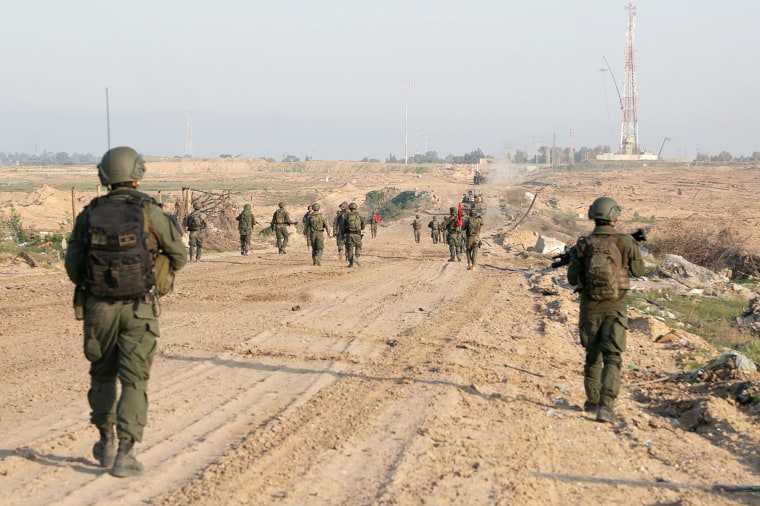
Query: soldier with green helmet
[316, 224]
[340, 216]
[471, 229]
[120, 309]
[279, 224]
[452, 226]
[435, 229]
[246, 221]
[599, 268]
[195, 223]
[353, 225]
[417, 228]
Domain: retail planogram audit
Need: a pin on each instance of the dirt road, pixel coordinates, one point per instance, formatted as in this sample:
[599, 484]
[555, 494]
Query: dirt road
[406, 380]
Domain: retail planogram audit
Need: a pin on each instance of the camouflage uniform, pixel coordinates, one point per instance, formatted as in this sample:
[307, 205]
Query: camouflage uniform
[305, 222]
[374, 219]
[195, 223]
[353, 237]
[452, 235]
[246, 221]
[120, 335]
[280, 221]
[316, 236]
[417, 226]
[338, 229]
[471, 228]
[435, 229]
[603, 323]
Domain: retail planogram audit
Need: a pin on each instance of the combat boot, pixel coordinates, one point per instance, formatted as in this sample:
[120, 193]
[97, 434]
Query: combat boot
[590, 407]
[605, 415]
[126, 464]
[104, 450]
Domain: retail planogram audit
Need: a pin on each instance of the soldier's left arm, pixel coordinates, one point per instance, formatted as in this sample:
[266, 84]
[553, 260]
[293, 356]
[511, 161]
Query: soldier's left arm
[75, 254]
[636, 267]
[170, 240]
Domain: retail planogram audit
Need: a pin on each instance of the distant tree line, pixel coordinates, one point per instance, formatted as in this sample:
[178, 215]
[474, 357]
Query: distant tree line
[46, 158]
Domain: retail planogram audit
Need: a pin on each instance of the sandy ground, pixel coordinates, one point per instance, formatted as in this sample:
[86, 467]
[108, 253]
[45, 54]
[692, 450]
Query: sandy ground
[406, 380]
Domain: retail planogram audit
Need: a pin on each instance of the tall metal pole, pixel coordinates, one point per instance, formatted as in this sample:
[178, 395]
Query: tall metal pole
[407, 85]
[108, 122]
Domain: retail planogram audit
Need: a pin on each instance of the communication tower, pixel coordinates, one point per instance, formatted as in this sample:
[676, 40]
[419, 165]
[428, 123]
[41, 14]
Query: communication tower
[629, 130]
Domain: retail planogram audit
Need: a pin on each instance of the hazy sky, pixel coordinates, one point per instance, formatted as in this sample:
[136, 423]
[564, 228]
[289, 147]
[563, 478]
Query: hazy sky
[325, 77]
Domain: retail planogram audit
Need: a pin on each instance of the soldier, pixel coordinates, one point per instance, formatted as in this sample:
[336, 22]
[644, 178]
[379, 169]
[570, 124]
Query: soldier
[374, 221]
[353, 224]
[435, 229]
[195, 223]
[304, 222]
[599, 267]
[117, 299]
[315, 225]
[246, 221]
[417, 226]
[338, 229]
[280, 221]
[471, 228]
[452, 234]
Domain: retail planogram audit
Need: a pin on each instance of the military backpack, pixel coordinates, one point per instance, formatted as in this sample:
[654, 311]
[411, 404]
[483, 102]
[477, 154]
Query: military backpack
[473, 226]
[605, 275]
[316, 222]
[353, 223]
[119, 265]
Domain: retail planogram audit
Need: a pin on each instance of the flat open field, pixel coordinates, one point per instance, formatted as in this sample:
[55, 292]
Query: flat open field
[406, 380]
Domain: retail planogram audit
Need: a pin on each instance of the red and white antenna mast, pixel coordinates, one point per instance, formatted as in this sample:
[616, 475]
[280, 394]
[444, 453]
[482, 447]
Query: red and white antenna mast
[189, 136]
[629, 129]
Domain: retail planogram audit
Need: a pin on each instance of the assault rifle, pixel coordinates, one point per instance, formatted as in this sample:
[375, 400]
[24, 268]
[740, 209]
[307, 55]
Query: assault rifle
[640, 235]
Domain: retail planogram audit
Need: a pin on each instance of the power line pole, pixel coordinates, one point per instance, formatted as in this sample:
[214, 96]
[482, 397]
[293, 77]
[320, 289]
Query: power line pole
[407, 85]
[189, 135]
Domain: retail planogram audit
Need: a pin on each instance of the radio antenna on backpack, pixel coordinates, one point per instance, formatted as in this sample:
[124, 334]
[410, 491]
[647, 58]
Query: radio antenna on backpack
[108, 122]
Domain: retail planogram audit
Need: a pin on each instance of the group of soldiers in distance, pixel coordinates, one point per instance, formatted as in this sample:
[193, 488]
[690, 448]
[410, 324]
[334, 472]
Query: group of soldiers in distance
[461, 234]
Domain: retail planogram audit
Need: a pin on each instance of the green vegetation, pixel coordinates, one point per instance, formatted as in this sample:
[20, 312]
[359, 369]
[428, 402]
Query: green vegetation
[15, 238]
[394, 207]
[708, 317]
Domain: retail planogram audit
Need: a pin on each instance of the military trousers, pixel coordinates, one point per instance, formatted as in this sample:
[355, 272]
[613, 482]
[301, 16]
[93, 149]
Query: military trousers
[281, 232]
[353, 246]
[119, 342]
[453, 242]
[195, 244]
[317, 240]
[603, 336]
[473, 245]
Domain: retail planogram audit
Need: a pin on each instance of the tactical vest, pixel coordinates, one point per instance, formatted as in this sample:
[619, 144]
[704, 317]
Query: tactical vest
[119, 265]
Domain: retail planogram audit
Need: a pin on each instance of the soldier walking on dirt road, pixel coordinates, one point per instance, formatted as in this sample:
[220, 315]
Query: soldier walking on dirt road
[599, 267]
[195, 223]
[121, 255]
[471, 228]
[452, 234]
[280, 221]
[353, 225]
[246, 221]
[417, 227]
[315, 225]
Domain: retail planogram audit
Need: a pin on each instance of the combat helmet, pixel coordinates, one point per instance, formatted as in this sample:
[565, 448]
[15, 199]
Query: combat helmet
[605, 209]
[353, 205]
[197, 205]
[315, 206]
[452, 209]
[343, 205]
[120, 165]
[281, 205]
[247, 206]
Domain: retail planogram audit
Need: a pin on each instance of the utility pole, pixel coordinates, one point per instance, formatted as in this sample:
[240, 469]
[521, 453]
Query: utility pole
[407, 85]
[189, 134]
[554, 148]
[572, 147]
